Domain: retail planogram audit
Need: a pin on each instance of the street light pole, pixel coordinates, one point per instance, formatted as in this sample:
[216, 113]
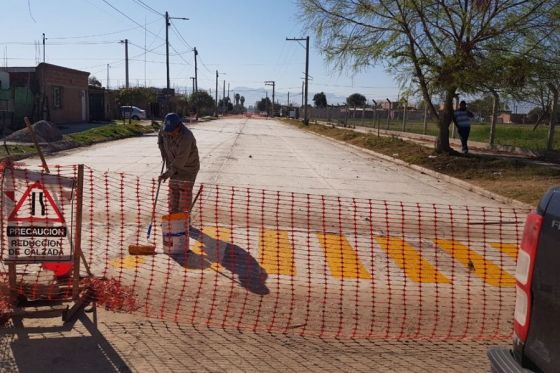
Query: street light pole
[167, 24]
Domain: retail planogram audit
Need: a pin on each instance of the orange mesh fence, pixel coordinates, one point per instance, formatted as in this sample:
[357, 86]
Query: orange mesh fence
[294, 263]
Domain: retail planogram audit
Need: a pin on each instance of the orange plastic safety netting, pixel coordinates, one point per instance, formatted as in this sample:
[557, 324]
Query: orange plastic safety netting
[289, 262]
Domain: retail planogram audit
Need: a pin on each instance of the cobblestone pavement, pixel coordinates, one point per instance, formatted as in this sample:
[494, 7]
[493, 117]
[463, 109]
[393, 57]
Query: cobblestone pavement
[122, 343]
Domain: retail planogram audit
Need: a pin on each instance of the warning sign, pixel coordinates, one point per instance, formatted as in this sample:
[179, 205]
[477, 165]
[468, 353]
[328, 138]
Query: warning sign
[36, 229]
[36, 205]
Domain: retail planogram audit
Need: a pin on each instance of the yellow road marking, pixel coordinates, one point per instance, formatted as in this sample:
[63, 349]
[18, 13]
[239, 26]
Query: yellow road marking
[408, 259]
[128, 261]
[510, 249]
[483, 268]
[276, 254]
[342, 259]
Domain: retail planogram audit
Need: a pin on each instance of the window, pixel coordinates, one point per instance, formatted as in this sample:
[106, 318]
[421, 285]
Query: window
[57, 97]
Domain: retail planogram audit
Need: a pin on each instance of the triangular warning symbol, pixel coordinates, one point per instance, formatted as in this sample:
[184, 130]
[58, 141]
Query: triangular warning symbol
[39, 206]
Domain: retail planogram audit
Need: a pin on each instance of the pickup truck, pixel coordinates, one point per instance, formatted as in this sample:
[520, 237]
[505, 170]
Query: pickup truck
[536, 339]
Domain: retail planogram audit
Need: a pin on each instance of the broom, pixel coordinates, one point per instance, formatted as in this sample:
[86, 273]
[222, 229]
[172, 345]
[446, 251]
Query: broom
[151, 249]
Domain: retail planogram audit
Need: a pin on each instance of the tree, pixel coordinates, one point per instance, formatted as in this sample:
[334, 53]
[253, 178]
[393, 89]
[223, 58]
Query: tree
[320, 100]
[242, 99]
[237, 97]
[202, 103]
[536, 114]
[138, 96]
[92, 80]
[264, 104]
[356, 99]
[447, 46]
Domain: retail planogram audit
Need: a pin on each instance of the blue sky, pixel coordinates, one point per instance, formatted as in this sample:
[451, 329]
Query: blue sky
[243, 39]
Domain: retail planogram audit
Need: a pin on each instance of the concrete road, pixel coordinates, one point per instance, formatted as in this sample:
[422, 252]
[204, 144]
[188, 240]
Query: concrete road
[267, 154]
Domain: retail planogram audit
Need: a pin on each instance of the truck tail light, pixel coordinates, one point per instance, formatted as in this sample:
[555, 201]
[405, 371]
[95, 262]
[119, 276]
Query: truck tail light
[524, 274]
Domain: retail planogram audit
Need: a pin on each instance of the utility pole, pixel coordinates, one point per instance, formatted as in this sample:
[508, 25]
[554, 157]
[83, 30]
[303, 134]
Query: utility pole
[107, 76]
[288, 98]
[125, 41]
[273, 84]
[44, 39]
[217, 75]
[193, 84]
[228, 91]
[195, 89]
[305, 113]
[167, 24]
[302, 88]
[224, 97]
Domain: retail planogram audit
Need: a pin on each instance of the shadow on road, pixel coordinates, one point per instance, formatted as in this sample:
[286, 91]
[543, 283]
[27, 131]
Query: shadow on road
[50, 348]
[235, 259]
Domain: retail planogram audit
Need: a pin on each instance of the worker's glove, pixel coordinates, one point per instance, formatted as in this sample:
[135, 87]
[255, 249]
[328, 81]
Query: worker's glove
[164, 176]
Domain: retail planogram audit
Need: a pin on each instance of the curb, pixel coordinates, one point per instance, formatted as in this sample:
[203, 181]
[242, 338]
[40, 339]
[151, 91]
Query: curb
[436, 175]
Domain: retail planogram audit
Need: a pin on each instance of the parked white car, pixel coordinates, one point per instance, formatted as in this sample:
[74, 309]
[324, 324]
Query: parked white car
[132, 112]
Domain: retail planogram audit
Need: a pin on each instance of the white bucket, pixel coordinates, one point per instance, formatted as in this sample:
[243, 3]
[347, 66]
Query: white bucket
[175, 232]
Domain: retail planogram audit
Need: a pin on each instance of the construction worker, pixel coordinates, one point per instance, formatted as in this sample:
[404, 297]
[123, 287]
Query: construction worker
[180, 154]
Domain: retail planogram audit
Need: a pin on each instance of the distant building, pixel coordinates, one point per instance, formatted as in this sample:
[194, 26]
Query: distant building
[55, 93]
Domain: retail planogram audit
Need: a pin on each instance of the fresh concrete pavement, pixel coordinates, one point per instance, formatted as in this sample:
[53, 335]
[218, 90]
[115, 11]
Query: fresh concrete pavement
[261, 154]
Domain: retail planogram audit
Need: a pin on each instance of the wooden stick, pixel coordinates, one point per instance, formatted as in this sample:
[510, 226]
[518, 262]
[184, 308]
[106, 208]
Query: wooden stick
[30, 128]
[78, 236]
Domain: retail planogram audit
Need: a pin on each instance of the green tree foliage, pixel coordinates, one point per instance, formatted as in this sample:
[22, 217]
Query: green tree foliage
[139, 96]
[242, 100]
[536, 115]
[264, 104]
[92, 80]
[483, 106]
[443, 46]
[320, 100]
[356, 99]
[202, 103]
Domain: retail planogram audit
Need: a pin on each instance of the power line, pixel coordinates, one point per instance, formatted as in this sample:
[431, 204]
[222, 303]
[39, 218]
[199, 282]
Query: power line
[96, 35]
[130, 19]
[146, 6]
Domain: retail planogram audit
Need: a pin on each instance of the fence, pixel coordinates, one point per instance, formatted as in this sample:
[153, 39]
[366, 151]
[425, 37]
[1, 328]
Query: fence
[310, 265]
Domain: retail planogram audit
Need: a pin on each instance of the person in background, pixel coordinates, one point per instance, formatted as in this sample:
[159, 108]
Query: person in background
[462, 119]
[180, 154]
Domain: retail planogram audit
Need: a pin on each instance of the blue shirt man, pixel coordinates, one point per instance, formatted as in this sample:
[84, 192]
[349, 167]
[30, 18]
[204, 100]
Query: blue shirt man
[462, 119]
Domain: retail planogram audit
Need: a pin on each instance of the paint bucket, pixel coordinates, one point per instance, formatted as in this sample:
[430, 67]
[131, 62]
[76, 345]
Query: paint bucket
[175, 232]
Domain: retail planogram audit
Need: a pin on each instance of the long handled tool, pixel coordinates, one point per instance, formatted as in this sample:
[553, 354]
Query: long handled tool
[151, 249]
[155, 202]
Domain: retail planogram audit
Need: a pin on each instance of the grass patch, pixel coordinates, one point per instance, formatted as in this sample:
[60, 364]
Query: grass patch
[16, 150]
[520, 135]
[510, 177]
[113, 131]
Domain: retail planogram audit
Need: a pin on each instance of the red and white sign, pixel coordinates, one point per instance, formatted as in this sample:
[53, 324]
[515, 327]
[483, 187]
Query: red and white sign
[36, 230]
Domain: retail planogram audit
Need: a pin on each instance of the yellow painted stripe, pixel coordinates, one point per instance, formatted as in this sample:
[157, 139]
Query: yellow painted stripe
[510, 249]
[218, 233]
[276, 254]
[342, 259]
[128, 261]
[483, 268]
[408, 259]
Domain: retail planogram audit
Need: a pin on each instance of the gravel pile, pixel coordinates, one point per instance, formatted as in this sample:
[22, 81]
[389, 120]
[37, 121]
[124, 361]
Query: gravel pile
[44, 131]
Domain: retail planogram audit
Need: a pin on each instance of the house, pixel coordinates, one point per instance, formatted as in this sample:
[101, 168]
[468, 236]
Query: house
[55, 93]
[504, 117]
